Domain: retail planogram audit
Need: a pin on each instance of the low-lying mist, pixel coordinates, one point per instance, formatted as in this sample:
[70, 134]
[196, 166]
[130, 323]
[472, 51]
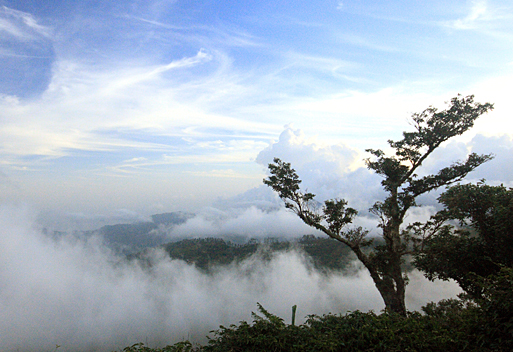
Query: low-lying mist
[78, 294]
[254, 222]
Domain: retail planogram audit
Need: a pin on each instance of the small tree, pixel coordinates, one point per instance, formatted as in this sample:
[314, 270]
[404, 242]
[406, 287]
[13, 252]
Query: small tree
[403, 186]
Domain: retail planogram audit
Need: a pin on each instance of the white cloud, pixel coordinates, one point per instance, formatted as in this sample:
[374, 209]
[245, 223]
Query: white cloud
[305, 154]
[246, 222]
[329, 171]
[82, 108]
[364, 42]
[478, 11]
[148, 74]
[326, 171]
[500, 169]
[134, 160]
[157, 94]
[321, 63]
[485, 17]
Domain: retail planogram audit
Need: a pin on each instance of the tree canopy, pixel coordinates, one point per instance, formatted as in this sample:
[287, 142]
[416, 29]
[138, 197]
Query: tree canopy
[480, 244]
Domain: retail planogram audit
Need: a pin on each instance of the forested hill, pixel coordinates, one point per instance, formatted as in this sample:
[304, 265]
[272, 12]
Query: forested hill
[326, 254]
[135, 240]
[130, 238]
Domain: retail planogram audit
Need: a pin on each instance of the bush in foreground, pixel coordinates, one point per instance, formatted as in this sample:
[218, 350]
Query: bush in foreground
[450, 325]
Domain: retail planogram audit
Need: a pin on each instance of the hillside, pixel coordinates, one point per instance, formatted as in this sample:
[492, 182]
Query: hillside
[135, 237]
[325, 253]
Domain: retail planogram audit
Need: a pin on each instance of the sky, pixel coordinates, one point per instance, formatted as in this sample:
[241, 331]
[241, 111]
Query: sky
[144, 107]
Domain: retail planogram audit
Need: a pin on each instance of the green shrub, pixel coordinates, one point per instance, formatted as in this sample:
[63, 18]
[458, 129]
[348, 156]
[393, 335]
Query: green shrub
[495, 327]
[444, 327]
[183, 346]
[449, 325]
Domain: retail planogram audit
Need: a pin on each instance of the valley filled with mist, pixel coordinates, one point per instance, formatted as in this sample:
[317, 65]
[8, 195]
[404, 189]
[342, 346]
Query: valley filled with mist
[80, 290]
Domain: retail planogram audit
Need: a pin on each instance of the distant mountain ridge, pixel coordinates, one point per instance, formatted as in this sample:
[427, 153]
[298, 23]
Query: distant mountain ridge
[173, 218]
[130, 238]
[135, 240]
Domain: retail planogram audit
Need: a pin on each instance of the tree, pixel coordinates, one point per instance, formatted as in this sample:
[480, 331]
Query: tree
[480, 246]
[403, 186]
[477, 254]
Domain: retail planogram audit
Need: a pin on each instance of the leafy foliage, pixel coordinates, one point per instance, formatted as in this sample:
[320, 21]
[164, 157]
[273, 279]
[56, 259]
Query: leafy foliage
[478, 255]
[450, 325]
[496, 307]
[483, 243]
[182, 346]
[447, 326]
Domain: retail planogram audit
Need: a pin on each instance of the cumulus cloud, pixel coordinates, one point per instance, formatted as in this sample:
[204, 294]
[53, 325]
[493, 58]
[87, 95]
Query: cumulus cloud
[78, 295]
[497, 171]
[500, 169]
[293, 146]
[337, 171]
[329, 171]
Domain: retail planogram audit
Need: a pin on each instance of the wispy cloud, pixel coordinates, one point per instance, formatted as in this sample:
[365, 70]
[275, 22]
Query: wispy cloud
[221, 34]
[21, 25]
[153, 22]
[81, 105]
[11, 53]
[322, 63]
[134, 160]
[140, 77]
[478, 12]
[489, 18]
[198, 153]
[361, 41]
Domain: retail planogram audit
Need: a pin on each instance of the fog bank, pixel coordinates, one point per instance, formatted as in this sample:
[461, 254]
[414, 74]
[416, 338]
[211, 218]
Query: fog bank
[77, 294]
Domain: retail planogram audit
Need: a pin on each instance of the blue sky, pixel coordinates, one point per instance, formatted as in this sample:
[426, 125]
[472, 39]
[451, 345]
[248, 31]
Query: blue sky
[154, 106]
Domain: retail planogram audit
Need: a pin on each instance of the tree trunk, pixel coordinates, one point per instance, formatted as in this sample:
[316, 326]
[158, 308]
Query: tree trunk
[394, 300]
[392, 291]
[391, 285]
[393, 296]
[394, 285]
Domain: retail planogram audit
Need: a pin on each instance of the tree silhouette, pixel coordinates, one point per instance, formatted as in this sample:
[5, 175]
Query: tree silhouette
[403, 186]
